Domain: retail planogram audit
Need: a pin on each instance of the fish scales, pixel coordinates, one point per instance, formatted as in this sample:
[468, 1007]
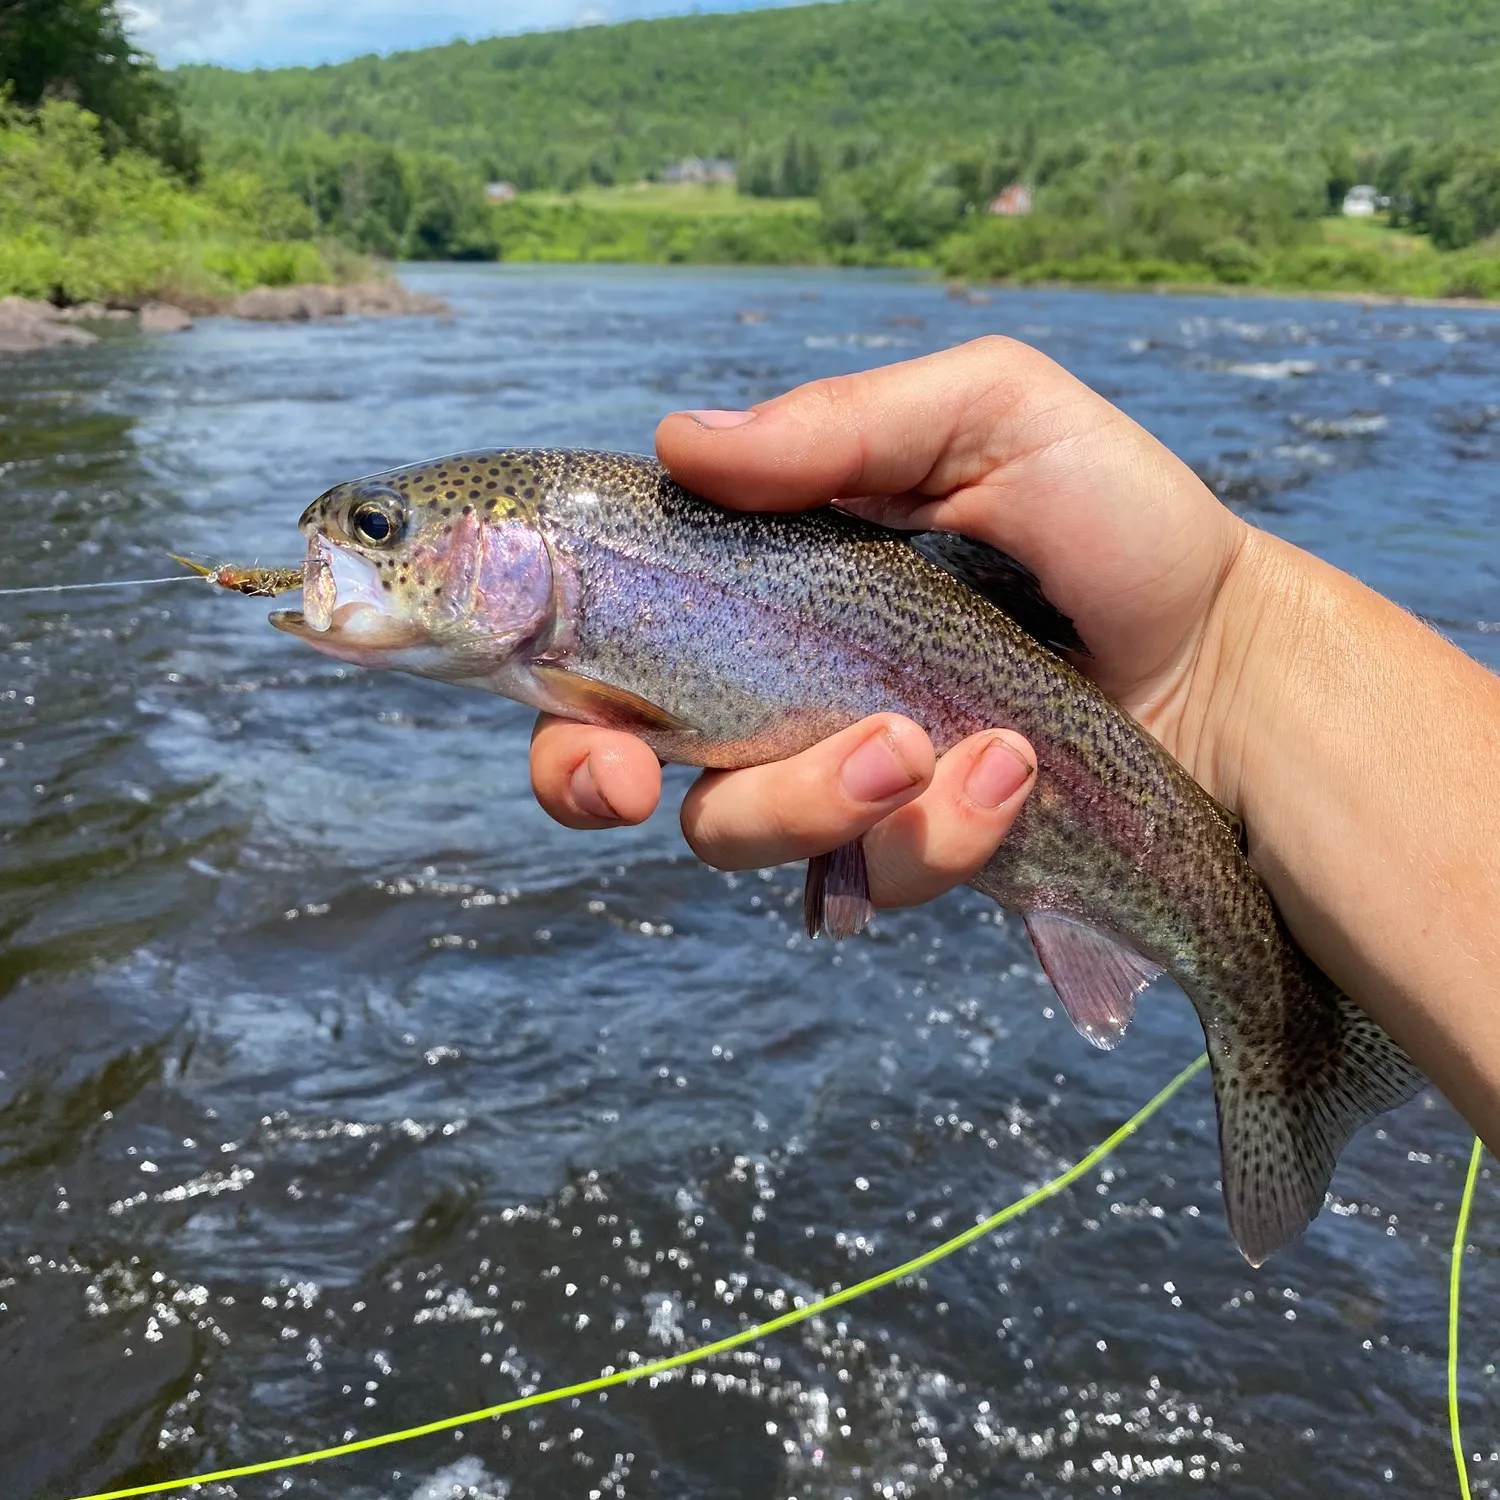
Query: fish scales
[877, 628]
[592, 585]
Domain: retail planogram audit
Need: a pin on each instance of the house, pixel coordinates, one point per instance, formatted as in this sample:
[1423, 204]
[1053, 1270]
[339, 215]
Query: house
[1361, 202]
[499, 192]
[697, 169]
[1011, 202]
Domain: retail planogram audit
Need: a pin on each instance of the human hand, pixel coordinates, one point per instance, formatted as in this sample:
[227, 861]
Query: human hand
[993, 440]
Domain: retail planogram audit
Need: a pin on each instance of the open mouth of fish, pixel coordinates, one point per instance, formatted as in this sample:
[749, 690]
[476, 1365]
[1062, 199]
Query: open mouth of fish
[344, 607]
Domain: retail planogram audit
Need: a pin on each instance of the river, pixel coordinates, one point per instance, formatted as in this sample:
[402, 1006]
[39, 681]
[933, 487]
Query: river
[340, 1090]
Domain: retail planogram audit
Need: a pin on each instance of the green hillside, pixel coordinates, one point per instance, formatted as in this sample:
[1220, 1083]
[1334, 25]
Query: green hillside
[612, 103]
[1197, 142]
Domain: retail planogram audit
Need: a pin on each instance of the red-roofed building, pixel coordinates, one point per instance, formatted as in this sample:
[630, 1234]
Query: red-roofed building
[1011, 202]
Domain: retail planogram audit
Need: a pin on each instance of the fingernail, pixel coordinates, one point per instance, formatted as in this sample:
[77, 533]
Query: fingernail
[999, 773]
[586, 794]
[876, 771]
[718, 420]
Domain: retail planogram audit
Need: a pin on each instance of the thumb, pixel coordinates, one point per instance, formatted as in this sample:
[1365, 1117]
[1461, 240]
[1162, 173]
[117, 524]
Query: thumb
[924, 427]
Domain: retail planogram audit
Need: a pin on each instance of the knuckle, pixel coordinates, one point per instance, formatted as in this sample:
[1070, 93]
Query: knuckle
[1000, 349]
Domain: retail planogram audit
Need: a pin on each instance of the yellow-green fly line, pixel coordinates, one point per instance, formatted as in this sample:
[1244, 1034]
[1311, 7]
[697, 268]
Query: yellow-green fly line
[704, 1351]
[801, 1314]
[1455, 1276]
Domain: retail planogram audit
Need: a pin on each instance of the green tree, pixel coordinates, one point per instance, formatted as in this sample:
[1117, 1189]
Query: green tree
[1467, 206]
[77, 50]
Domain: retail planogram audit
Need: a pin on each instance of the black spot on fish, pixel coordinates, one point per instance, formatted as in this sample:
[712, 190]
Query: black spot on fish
[469, 509]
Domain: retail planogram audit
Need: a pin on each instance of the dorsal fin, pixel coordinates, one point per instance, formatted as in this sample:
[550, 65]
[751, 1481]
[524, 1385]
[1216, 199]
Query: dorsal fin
[1234, 823]
[1006, 583]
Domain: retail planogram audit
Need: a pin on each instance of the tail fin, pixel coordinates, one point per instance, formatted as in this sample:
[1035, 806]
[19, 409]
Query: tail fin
[1283, 1119]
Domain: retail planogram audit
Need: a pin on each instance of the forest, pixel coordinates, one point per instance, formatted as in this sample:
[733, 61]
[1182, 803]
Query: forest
[1163, 141]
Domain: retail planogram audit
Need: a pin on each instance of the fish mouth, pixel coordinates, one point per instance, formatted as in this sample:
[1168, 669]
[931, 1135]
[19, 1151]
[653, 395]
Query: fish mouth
[357, 623]
[345, 611]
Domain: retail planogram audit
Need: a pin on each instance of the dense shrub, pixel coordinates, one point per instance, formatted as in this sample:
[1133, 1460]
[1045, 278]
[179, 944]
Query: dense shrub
[79, 223]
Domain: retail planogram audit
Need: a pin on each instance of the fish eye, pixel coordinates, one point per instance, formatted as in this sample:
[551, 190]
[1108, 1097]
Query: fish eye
[377, 522]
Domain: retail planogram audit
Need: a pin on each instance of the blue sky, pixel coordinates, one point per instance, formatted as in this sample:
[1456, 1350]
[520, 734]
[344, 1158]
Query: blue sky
[274, 33]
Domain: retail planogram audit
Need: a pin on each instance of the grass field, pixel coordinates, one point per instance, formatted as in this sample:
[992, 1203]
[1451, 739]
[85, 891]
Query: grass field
[689, 199]
[1372, 234]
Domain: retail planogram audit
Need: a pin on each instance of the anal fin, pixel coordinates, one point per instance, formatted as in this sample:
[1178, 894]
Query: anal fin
[1096, 977]
[836, 899]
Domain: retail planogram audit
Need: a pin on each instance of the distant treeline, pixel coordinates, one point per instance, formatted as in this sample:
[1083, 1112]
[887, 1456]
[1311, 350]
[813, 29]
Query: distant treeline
[1201, 134]
[1224, 212]
[868, 132]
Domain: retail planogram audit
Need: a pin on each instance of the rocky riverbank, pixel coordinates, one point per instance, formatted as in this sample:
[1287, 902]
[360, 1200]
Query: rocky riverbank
[363, 299]
[27, 326]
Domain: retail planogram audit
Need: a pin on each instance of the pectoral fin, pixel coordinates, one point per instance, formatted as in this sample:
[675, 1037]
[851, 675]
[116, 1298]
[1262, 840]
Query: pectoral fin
[601, 703]
[836, 899]
[1096, 978]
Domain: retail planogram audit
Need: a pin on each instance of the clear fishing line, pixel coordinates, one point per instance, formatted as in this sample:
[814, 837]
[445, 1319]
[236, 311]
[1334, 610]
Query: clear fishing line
[657, 1367]
[108, 583]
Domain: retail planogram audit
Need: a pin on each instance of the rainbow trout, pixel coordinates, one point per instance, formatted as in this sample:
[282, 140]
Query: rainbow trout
[590, 585]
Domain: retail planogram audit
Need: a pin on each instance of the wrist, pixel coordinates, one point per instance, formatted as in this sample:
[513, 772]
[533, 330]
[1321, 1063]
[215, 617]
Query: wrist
[1265, 659]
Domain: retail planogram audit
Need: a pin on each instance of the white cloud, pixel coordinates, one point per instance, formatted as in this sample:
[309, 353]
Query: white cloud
[276, 33]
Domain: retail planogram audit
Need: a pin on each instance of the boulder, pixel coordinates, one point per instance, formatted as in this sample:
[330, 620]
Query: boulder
[28, 326]
[83, 312]
[289, 304]
[389, 299]
[299, 304]
[162, 317]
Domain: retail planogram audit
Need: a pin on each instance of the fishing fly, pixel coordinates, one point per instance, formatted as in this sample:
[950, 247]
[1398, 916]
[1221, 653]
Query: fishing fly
[258, 583]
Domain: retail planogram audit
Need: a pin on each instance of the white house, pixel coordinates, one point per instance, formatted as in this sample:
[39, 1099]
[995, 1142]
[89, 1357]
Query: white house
[696, 169]
[1360, 202]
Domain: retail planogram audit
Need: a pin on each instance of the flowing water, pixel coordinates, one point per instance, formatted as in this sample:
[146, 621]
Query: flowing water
[340, 1090]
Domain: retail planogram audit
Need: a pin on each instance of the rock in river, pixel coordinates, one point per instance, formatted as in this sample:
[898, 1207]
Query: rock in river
[297, 304]
[163, 317]
[26, 326]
